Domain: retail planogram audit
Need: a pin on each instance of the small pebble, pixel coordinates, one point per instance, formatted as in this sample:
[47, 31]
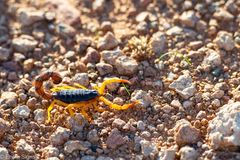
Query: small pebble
[21, 111]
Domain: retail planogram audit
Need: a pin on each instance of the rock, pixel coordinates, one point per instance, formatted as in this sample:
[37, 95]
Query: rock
[158, 42]
[182, 130]
[104, 158]
[145, 134]
[60, 136]
[4, 155]
[188, 153]
[144, 98]
[223, 15]
[148, 148]
[176, 103]
[93, 136]
[84, 43]
[115, 139]
[24, 149]
[225, 40]
[92, 56]
[188, 18]
[183, 86]
[28, 16]
[9, 98]
[5, 54]
[174, 31]
[39, 115]
[12, 76]
[88, 158]
[106, 26]
[71, 55]
[141, 125]
[167, 154]
[65, 11]
[111, 56]
[231, 6]
[201, 115]
[65, 30]
[50, 151]
[98, 5]
[104, 68]
[28, 65]
[12, 66]
[142, 28]
[118, 123]
[74, 124]
[53, 158]
[31, 102]
[126, 65]
[81, 78]
[24, 43]
[74, 145]
[223, 130]
[150, 72]
[18, 57]
[195, 44]
[212, 59]
[107, 42]
[217, 94]
[21, 111]
[167, 109]
[4, 127]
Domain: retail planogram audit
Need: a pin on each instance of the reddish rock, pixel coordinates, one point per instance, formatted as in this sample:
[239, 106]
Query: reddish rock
[92, 56]
[65, 11]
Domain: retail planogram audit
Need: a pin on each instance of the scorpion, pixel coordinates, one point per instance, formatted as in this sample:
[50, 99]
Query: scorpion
[76, 96]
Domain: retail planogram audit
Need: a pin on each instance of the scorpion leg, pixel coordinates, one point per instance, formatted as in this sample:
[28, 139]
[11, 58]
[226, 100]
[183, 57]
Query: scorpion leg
[108, 81]
[49, 111]
[79, 86]
[96, 108]
[116, 106]
[84, 113]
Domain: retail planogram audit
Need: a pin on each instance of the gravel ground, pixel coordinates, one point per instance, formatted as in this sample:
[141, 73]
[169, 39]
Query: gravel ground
[182, 57]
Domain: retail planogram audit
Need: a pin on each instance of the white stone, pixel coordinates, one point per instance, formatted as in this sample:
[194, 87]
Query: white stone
[188, 18]
[21, 111]
[74, 145]
[39, 115]
[167, 154]
[93, 136]
[60, 136]
[212, 59]
[142, 96]
[111, 56]
[24, 43]
[126, 65]
[188, 153]
[4, 155]
[224, 129]
[158, 42]
[183, 86]
[28, 16]
[148, 148]
[23, 148]
[225, 40]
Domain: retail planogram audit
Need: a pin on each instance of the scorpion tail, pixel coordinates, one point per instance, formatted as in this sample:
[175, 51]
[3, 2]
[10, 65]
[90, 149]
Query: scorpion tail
[56, 78]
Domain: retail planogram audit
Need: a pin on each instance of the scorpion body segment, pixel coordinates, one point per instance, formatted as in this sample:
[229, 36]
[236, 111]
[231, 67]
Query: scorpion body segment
[77, 97]
[74, 96]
